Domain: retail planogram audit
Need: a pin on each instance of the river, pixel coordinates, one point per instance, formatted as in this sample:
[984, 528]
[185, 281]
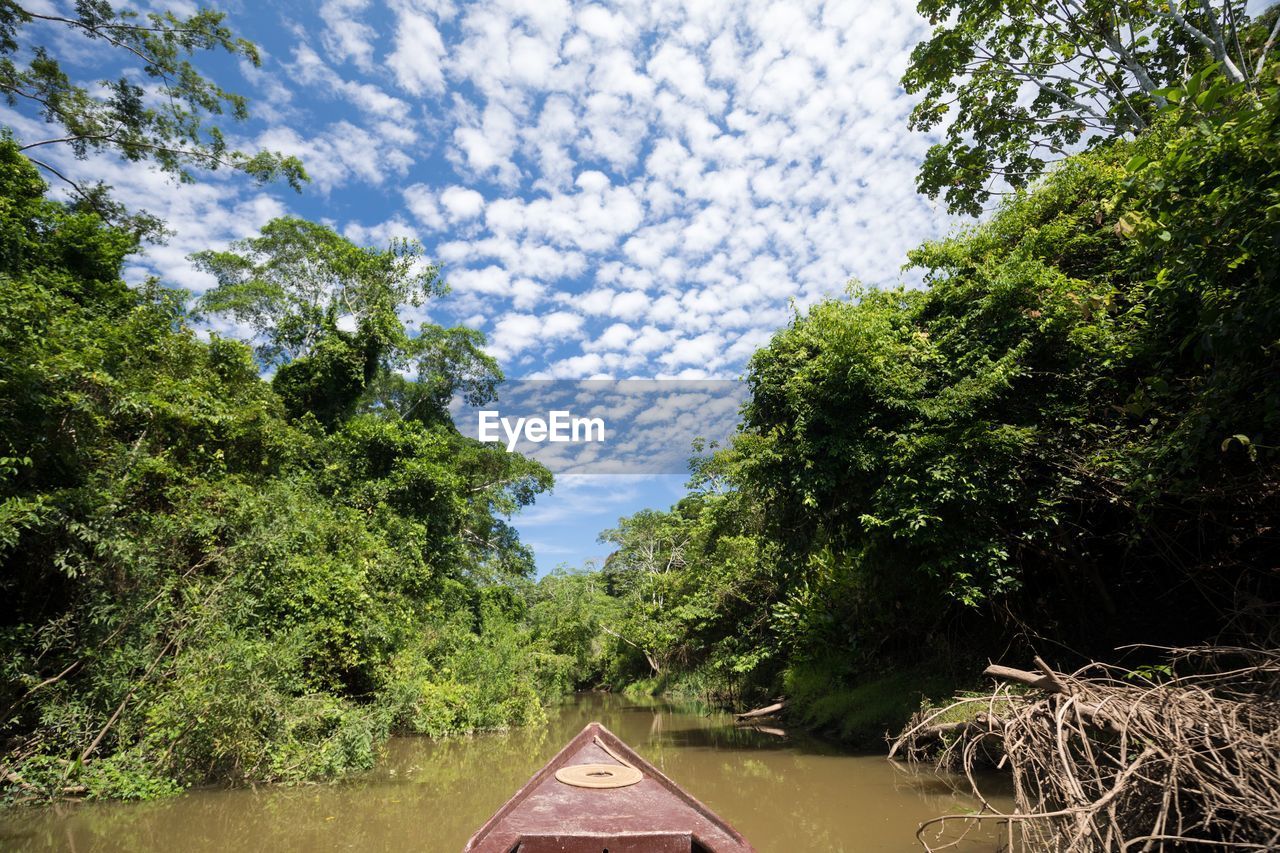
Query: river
[784, 794]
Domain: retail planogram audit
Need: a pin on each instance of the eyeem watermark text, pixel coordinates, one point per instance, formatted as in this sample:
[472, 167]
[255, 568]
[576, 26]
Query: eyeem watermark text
[558, 426]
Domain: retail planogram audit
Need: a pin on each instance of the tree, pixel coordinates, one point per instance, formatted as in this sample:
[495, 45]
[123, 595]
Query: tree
[299, 283]
[1024, 82]
[645, 572]
[447, 361]
[650, 544]
[297, 280]
[568, 610]
[196, 588]
[326, 313]
[159, 110]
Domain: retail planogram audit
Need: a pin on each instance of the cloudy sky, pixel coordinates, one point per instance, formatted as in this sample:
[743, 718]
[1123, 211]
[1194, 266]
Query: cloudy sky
[614, 189]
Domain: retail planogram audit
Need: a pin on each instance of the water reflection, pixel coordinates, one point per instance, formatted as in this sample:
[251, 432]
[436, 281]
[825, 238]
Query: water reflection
[784, 794]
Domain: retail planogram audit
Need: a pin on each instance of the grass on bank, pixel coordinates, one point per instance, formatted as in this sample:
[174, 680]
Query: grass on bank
[861, 714]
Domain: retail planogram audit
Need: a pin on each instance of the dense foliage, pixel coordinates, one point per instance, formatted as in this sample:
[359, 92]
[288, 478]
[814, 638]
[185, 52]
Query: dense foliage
[206, 576]
[1068, 437]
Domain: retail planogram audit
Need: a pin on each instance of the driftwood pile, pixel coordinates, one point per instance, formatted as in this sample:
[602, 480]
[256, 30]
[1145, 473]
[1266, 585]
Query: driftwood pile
[1185, 757]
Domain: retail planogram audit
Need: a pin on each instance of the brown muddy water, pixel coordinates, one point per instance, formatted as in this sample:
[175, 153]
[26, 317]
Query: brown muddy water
[783, 794]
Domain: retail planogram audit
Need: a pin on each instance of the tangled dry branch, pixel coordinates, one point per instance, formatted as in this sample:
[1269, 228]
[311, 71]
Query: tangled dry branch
[1184, 757]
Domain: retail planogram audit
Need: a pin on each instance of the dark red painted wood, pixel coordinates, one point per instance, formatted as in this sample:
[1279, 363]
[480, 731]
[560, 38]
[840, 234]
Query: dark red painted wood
[652, 816]
[647, 843]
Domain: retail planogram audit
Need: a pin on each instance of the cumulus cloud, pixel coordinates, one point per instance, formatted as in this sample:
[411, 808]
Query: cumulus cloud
[310, 69]
[340, 154]
[516, 332]
[419, 49]
[462, 203]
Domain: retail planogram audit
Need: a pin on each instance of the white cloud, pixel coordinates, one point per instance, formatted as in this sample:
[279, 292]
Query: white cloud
[603, 24]
[417, 60]
[560, 324]
[516, 332]
[616, 337]
[683, 72]
[345, 37]
[310, 69]
[485, 148]
[612, 187]
[339, 154]
[631, 304]
[491, 281]
[462, 203]
[380, 235]
[424, 204]
[705, 350]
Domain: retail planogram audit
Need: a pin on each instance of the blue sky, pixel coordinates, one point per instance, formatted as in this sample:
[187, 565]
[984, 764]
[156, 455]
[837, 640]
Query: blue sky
[629, 189]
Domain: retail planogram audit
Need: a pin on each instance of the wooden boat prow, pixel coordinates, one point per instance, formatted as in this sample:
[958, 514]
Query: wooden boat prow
[653, 815]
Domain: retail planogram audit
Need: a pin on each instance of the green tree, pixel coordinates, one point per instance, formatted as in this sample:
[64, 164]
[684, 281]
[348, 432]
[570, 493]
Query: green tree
[174, 130]
[650, 544]
[298, 282]
[447, 362]
[568, 610]
[645, 571]
[1068, 437]
[195, 586]
[1020, 84]
[1033, 433]
[294, 281]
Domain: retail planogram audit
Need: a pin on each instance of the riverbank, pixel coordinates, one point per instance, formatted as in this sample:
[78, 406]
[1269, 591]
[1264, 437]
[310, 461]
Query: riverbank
[860, 714]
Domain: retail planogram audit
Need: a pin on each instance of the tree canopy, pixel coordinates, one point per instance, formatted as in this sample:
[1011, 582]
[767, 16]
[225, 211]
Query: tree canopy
[1017, 85]
[327, 315]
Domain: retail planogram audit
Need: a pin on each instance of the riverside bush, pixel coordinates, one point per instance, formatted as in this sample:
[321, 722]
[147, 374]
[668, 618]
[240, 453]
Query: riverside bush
[1069, 433]
[206, 582]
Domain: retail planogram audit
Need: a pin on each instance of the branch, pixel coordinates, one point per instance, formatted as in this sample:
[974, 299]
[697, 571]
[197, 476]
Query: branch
[88, 750]
[766, 711]
[1137, 69]
[1220, 43]
[78, 189]
[1189, 28]
[138, 28]
[1266, 48]
[647, 656]
[1021, 676]
[1112, 40]
[1215, 46]
[1050, 682]
[79, 137]
[93, 30]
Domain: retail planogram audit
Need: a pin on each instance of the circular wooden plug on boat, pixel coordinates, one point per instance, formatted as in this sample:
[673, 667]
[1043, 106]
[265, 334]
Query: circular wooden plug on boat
[598, 775]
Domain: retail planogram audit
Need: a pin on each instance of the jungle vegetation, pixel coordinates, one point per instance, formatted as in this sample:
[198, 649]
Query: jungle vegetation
[205, 575]
[1065, 442]
[239, 561]
[209, 576]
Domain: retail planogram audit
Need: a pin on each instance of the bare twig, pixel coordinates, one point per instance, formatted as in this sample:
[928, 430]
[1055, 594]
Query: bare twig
[1106, 760]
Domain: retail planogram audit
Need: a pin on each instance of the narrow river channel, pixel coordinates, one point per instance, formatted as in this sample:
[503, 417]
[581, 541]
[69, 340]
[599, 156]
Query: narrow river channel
[784, 794]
